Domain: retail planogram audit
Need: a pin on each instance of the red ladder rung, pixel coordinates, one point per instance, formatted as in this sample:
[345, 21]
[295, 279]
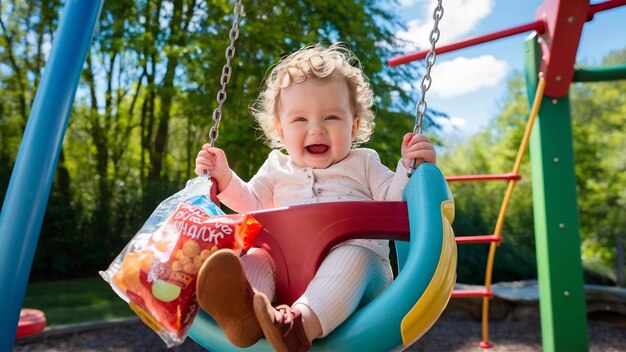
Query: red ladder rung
[479, 239]
[472, 293]
[491, 177]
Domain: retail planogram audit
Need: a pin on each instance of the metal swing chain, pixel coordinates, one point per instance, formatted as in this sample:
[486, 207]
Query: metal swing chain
[226, 73]
[421, 107]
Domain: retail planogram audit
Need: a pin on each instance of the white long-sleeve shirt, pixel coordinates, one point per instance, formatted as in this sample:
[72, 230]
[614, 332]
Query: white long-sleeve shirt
[280, 183]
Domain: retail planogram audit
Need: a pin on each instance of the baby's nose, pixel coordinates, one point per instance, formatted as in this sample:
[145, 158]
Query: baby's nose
[316, 129]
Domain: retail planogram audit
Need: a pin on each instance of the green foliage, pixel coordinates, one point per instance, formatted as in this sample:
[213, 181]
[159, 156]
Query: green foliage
[146, 98]
[144, 104]
[598, 117]
[493, 151]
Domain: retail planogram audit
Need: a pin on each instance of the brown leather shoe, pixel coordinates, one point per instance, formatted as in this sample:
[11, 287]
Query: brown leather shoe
[281, 325]
[225, 294]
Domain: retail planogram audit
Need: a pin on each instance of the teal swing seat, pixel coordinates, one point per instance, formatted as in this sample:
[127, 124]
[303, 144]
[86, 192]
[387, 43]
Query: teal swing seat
[421, 227]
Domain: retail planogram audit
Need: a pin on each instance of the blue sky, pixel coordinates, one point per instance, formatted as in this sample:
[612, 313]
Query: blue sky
[469, 83]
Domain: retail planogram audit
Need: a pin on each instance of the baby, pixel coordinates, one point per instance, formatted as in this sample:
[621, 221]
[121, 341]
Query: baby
[317, 106]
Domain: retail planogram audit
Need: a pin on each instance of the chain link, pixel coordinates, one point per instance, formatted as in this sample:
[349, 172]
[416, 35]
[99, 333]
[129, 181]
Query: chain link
[226, 73]
[422, 106]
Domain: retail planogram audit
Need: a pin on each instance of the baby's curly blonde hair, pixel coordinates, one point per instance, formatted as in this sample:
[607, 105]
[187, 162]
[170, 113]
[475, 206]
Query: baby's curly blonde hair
[316, 61]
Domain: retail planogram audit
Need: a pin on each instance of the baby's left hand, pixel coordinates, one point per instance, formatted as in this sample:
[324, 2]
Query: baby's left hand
[417, 147]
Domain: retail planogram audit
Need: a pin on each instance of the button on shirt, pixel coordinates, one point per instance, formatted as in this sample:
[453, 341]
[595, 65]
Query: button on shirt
[280, 183]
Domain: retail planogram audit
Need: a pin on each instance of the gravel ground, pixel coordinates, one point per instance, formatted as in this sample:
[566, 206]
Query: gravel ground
[454, 331]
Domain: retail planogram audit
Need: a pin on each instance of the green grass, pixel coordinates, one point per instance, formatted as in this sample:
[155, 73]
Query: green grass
[76, 301]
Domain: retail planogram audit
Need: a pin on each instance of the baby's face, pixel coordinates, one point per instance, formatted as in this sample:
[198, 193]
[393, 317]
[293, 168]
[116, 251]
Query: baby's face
[316, 122]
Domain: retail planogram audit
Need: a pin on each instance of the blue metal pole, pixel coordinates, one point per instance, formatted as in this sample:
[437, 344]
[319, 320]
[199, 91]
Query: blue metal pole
[27, 195]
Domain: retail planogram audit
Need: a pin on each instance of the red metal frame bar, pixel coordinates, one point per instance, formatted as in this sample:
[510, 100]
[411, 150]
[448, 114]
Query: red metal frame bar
[564, 24]
[560, 25]
[559, 42]
[603, 6]
[472, 293]
[538, 26]
[478, 239]
[492, 177]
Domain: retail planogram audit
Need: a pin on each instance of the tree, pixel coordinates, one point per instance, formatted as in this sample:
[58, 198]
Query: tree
[493, 151]
[598, 114]
[144, 104]
[24, 28]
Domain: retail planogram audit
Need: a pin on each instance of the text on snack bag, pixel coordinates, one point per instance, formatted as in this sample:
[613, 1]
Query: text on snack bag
[190, 222]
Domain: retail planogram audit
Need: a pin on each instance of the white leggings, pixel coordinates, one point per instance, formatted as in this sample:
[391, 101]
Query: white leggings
[349, 276]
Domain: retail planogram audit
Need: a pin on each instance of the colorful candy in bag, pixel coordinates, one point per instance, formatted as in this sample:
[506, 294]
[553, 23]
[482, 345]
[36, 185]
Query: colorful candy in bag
[156, 272]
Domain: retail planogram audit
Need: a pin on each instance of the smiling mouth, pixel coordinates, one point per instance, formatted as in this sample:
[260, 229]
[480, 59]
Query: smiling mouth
[317, 148]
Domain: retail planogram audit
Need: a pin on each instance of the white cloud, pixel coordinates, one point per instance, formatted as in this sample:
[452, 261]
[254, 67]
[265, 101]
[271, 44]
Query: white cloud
[451, 124]
[459, 18]
[465, 75]
[463, 125]
[407, 3]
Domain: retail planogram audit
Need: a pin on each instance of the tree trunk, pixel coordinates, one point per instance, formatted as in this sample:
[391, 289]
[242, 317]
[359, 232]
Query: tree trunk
[178, 27]
[102, 215]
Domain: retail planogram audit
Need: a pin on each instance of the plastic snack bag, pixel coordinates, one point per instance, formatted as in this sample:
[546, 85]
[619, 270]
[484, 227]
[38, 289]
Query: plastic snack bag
[156, 272]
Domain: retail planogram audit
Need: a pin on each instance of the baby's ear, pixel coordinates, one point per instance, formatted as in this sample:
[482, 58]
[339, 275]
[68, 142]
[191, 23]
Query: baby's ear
[356, 123]
[279, 129]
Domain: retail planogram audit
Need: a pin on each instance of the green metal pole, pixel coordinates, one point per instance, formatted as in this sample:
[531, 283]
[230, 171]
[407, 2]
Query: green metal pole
[557, 240]
[599, 74]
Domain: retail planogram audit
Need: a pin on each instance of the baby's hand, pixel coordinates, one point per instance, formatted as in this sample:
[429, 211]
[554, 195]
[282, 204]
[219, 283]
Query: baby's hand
[417, 147]
[213, 161]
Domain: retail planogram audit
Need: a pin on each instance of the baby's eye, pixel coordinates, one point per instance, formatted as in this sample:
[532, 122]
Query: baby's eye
[299, 119]
[332, 117]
